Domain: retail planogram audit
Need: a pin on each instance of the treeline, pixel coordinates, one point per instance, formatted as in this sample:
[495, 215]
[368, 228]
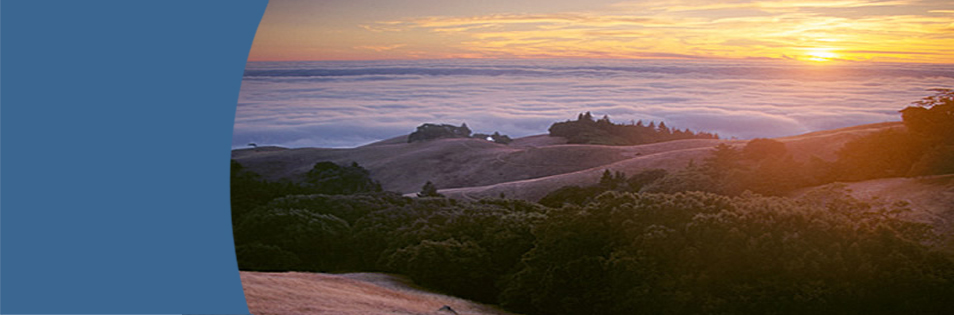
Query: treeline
[248, 190]
[699, 253]
[621, 253]
[461, 248]
[586, 130]
[434, 131]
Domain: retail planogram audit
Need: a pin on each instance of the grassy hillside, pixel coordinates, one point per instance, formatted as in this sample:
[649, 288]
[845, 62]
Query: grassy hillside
[528, 168]
[931, 197]
[704, 245]
[667, 155]
[354, 293]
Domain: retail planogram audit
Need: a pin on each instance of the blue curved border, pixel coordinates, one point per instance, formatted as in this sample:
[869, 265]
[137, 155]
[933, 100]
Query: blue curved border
[115, 129]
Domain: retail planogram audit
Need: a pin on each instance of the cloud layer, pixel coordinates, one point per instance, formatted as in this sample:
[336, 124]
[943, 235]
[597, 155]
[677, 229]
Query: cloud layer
[345, 104]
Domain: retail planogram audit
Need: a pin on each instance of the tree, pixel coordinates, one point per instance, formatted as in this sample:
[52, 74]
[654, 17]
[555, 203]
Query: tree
[760, 148]
[867, 157]
[499, 138]
[663, 129]
[429, 190]
[456, 267]
[248, 190]
[316, 241]
[604, 132]
[932, 118]
[332, 179]
[463, 130]
[606, 180]
[434, 131]
[723, 159]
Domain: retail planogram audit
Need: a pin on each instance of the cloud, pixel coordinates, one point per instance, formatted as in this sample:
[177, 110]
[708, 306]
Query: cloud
[345, 104]
[380, 48]
[860, 29]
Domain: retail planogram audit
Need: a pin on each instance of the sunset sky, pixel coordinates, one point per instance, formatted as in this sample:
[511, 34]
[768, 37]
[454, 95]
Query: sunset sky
[856, 30]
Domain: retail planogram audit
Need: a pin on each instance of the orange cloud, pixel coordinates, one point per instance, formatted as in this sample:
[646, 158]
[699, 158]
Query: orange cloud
[854, 29]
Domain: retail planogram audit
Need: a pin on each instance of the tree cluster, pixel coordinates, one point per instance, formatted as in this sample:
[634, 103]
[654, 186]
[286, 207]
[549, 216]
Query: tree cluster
[699, 253]
[586, 130]
[924, 147]
[248, 190]
[462, 248]
[434, 131]
[762, 166]
[622, 253]
[496, 137]
[609, 181]
[333, 179]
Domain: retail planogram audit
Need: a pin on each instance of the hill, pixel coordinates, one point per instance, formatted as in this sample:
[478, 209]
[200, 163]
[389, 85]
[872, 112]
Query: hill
[931, 197]
[353, 293]
[528, 168]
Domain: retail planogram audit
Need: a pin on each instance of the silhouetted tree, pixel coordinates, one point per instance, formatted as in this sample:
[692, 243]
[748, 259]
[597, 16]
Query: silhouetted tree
[585, 131]
[663, 130]
[429, 190]
[434, 131]
[606, 180]
[932, 118]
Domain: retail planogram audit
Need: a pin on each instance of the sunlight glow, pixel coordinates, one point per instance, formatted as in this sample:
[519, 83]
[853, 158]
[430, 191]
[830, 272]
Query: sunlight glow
[821, 56]
[852, 30]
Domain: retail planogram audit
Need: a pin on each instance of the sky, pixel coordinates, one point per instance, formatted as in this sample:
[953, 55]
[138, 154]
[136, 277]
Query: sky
[814, 31]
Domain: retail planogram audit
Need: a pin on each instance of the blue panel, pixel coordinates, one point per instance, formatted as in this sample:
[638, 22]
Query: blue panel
[115, 135]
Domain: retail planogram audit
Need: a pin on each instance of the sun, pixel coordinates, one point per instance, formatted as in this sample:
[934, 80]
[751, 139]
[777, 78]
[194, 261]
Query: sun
[821, 56]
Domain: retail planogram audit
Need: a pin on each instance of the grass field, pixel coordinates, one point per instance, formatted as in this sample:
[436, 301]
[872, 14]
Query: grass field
[353, 293]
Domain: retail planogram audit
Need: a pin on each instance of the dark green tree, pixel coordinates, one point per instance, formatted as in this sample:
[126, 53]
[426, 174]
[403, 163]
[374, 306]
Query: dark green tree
[449, 265]
[333, 179]
[318, 241]
[248, 190]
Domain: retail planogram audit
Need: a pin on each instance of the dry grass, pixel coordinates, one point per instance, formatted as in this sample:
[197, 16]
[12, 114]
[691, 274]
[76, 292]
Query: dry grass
[528, 168]
[931, 198]
[356, 293]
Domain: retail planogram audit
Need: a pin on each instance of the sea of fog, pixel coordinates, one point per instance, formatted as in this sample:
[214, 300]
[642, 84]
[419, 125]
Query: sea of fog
[347, 104]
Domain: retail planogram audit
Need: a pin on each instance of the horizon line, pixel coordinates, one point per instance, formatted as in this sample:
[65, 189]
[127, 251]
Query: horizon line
[701, 58]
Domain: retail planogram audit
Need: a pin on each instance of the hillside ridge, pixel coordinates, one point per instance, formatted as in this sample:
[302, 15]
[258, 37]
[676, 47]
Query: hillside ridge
[528, 168]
